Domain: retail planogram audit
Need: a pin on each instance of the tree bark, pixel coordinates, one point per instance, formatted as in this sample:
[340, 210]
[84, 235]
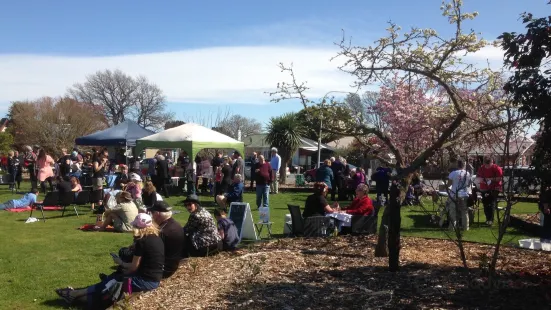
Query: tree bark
[381, 248]
[283, 172]
[394, 228]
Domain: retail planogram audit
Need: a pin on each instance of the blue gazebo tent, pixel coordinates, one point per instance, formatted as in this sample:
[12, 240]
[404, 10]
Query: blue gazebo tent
[124, 134]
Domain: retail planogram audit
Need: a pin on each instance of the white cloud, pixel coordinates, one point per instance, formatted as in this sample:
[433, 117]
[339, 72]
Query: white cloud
[218, 75]
[211, 75]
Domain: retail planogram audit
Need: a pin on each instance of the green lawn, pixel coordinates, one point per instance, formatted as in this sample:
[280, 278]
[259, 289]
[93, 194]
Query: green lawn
[39, 257]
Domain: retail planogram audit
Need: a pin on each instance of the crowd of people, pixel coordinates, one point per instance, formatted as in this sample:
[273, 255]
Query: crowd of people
[158, 246]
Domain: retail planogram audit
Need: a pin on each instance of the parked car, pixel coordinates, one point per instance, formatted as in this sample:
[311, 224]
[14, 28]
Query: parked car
[248, 170]
[310, 175]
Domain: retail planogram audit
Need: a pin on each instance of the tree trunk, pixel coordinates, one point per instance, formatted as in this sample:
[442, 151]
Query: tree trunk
[283, 172]
[394, 228]
[381, 248]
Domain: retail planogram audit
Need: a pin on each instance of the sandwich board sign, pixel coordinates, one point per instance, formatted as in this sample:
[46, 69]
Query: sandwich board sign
[240, 214]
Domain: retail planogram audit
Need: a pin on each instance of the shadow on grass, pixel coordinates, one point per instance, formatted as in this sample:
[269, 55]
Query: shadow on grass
[328, 286]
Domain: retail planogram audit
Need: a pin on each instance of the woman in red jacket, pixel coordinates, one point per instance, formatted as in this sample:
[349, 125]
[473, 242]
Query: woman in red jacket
[362, 204]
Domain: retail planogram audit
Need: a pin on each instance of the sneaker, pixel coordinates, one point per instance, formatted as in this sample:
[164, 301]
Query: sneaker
[490, 223]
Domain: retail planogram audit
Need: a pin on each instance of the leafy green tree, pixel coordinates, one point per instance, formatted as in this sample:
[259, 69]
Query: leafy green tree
[284, 133]
[528, 55]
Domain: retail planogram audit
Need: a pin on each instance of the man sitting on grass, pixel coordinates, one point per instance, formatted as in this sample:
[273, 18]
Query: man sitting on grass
[227, 230]
[26, 201]
[235, 192]
[172, 234]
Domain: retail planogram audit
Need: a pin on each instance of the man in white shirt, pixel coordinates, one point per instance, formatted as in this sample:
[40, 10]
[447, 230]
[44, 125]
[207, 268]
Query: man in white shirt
[461, 182]
[275, 162]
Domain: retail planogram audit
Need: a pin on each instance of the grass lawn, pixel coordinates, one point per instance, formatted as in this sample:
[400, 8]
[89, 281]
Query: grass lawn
[36, 258]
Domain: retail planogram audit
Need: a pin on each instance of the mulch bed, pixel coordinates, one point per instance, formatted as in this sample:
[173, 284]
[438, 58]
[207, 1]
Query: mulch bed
[342, 273]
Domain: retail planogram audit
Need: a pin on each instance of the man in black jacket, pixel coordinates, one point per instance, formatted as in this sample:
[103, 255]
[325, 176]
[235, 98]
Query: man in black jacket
[162, 175]
[172, 234]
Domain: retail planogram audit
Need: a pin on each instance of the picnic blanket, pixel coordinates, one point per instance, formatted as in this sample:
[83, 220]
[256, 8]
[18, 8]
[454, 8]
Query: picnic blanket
[90, 227]
[46, 208]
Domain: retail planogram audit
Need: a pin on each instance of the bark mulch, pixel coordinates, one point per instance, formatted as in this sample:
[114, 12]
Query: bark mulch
[342, 273]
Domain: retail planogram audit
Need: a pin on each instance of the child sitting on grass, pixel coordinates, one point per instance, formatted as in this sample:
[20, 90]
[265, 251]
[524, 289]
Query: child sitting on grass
[227, 230]
[26, 201]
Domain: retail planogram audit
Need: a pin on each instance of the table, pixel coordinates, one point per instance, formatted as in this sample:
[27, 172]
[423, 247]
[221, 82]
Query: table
[343, 219]
[260, 225]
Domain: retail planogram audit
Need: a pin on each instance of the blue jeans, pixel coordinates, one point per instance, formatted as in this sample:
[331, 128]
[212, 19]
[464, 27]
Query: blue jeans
[262, 194]
[138, 285]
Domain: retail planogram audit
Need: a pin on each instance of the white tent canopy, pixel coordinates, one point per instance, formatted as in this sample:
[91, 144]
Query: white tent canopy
[189, 137]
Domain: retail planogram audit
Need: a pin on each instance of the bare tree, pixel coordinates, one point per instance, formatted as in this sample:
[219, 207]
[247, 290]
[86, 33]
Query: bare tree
[121, 96]
[149, 108]
[210, 119]
[53, 123]
[231, 125]
[172, 124]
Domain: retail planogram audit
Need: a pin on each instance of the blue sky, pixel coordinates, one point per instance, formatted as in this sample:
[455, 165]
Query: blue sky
[210, 55]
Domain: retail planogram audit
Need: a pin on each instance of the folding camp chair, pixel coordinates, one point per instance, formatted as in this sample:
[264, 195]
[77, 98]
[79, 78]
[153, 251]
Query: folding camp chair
[83, 198]
[297, 223]
[66, 199]
[51, 199]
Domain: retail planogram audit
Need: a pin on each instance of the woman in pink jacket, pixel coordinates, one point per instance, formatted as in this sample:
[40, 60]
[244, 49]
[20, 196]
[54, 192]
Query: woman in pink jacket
[45, 173]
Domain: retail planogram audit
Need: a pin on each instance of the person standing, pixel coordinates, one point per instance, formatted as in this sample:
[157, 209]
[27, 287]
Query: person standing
[98, 175]
[254, 162]
[19, 159]
[275, 163]
[238, 165]
[382, 181]
[460, 181]
[152, 167]
[490, 177]
[162, 175]
[338, 184]
[216, 163]
[45, 174]
[324, 174]
[264, 177]
[30, 163]
[64, 163]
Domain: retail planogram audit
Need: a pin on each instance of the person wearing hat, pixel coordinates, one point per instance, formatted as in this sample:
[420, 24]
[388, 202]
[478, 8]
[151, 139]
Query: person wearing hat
[120, 216]
[201, 234]
[145, 269]
[172, 235]
[134, 187]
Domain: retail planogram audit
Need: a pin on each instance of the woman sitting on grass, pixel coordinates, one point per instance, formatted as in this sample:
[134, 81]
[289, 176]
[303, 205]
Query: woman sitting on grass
[149, 194]
[121, 215]
[201, 234]
[144, 271]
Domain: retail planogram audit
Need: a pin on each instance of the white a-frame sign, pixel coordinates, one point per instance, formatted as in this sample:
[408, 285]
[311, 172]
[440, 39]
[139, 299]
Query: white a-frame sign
[240, 214]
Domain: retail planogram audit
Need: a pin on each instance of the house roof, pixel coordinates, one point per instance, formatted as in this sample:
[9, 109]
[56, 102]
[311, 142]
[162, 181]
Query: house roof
[516, 145]
[259, 141]
[343, 142]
